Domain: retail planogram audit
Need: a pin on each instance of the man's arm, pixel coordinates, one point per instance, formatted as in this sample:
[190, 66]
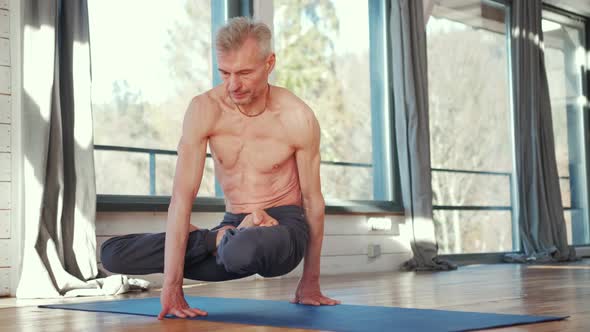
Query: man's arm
[192, 151]
[308, 164]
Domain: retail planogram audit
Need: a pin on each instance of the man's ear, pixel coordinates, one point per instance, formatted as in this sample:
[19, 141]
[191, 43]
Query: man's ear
[270, 63]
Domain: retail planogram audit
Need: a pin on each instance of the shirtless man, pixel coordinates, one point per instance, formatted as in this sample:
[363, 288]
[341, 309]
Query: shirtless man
[265, 146]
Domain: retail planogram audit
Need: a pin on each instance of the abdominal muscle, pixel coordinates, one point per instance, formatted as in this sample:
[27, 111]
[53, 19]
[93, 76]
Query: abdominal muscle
[246, 191]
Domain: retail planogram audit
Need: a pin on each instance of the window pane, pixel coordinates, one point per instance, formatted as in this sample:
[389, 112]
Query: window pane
[477, 189]
[462, 232]
[345, 182]
[564, 61]
[146, 67]
[122, 173]
[165, 167]
[565, 192]
[470, 122]
[323, 57]
[568, 225]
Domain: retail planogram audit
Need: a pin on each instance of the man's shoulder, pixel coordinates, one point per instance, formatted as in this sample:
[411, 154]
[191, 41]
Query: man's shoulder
[300, 121]
[203, 110]
[292, 106]
[207, 100]
[206, 104]
[288, 99]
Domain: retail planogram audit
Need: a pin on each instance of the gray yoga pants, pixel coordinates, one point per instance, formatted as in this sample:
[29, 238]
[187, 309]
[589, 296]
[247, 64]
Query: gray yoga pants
[269, 251]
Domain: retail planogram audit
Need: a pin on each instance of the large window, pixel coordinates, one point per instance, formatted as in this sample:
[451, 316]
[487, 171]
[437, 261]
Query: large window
[565, 62]
[470, 126]
[324, 53]
[148, 61]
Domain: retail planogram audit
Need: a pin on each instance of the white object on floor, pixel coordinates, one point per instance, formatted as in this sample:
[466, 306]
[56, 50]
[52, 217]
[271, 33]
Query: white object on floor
[111, 285]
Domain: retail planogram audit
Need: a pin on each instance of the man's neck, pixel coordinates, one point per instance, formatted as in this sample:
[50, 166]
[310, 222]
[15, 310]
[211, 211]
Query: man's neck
[257, 106]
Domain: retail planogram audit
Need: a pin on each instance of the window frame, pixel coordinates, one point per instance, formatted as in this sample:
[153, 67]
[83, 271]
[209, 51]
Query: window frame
[512, 208]
[580, 231]
[498, 257]
[381, 110]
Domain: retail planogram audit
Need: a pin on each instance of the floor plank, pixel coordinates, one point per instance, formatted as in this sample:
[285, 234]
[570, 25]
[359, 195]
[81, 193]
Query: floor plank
[558, 289]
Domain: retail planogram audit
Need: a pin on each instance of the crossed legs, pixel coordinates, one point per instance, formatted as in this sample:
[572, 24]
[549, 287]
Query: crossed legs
[270, 244]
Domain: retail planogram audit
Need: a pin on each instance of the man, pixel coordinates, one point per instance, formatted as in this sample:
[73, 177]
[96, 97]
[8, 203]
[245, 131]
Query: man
[265, 146]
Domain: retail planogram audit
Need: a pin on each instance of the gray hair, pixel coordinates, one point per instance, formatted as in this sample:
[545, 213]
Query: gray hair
[237, 30]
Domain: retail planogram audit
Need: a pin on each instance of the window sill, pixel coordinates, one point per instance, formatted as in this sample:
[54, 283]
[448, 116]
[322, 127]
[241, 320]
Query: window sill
[137, 203]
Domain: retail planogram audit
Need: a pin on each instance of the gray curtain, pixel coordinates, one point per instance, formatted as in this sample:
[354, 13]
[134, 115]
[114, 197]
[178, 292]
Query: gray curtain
[540, 209]
[59, 253]
[410, 84]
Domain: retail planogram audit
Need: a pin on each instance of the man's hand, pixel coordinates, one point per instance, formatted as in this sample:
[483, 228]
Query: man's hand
[173, 302]
[308, 292]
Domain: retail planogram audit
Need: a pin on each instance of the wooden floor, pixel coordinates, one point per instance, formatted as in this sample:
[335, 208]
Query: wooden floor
[514, 289]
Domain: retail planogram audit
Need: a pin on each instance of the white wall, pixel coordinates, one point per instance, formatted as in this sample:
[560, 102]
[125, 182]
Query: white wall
[346, 242]
[7, 147]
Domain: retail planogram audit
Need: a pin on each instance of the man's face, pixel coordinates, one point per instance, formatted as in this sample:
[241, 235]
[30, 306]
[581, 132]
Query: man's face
[244, 72]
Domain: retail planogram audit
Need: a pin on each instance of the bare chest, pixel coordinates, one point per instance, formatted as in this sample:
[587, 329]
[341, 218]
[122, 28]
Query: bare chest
[259, 145]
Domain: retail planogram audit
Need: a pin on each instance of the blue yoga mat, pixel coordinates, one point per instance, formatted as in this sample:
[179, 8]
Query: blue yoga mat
[335, 318]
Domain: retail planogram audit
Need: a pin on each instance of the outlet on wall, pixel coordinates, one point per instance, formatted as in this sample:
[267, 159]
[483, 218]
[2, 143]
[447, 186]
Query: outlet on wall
[374, 251]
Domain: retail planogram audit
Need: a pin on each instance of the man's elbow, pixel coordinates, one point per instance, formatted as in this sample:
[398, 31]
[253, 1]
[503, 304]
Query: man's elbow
[315, 200]
[181, 198]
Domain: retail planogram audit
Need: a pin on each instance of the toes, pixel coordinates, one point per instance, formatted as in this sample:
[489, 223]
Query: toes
[257, 217]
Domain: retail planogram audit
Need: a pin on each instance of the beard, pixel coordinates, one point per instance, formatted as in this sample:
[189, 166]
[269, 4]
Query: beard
[244, 99]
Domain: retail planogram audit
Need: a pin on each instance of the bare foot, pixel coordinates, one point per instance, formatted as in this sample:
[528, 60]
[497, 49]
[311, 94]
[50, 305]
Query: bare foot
[220, 233]
[258, 218]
